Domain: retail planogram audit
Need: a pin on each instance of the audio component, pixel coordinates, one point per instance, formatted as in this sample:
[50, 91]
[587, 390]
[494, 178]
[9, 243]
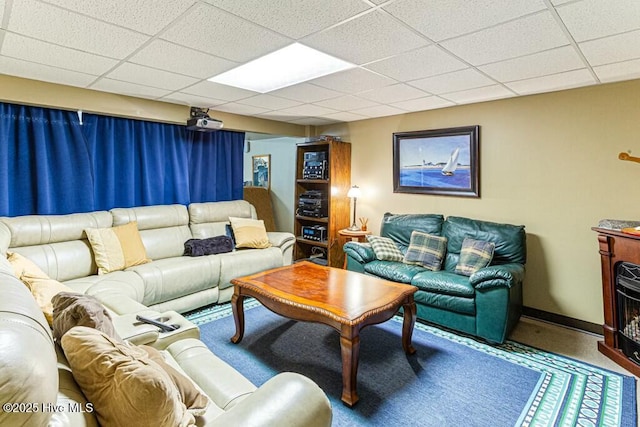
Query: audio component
[312, 203]
[315, 165]
[316, 233]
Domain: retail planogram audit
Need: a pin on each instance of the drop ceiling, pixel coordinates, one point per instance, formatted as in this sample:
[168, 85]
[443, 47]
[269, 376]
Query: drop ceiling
[411, 55]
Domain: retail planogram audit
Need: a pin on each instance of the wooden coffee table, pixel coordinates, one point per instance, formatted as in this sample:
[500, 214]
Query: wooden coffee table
[345, 300]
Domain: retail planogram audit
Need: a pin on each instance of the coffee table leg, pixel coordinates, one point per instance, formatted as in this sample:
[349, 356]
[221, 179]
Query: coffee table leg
[409, 308]
[350, 349]
[237, 305]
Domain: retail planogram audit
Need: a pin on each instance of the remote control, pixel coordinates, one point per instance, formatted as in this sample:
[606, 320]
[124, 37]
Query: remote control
[163, 326]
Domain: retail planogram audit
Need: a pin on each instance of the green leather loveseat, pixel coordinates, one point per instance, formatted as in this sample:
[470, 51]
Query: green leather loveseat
[486, 304]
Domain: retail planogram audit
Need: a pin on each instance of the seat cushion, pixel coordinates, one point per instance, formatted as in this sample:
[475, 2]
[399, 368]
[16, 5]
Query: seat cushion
[452, 303]
[444, 282]
[171, 278]
[394, 271]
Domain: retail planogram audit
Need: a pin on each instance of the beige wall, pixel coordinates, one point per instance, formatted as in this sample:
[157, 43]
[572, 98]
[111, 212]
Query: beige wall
[33, 92]
[547, 161]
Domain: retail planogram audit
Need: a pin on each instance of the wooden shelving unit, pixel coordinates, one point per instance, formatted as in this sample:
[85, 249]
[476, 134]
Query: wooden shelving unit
[334, 188]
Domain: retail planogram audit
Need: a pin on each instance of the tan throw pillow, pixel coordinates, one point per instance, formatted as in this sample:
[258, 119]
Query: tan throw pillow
[72, 309]
[195, 401]
[123, 383]
[117, 248]
[42, 287]
[249, 233]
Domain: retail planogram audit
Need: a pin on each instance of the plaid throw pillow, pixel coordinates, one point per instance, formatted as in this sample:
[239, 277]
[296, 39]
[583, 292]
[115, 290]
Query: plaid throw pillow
[426, 250]
[474, 255]
[384, 248]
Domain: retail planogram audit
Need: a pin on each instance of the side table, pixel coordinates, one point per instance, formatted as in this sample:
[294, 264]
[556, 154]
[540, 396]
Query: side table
[354, 236]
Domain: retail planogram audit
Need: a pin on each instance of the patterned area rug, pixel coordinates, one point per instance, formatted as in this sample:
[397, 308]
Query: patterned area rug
[452, 380]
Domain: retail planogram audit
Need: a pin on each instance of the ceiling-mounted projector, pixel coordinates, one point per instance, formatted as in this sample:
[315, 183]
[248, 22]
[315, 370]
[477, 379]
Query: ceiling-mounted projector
[204, 124]
[201, 122]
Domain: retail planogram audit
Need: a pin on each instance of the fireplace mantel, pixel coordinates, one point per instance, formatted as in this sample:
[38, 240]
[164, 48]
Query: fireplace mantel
[615, 247]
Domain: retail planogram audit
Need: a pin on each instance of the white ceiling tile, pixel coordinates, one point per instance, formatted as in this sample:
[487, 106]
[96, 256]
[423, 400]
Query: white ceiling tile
[379, 111]
[591, 19]
[346, 103]
[619, 71]
[486, 93]
[420, 63]
[421, 104]
[313, 121]
[146, 16]
[222, 34]
[192, 100]
[134, 73]
[558, 2]
[308, 110]
[345, 116]
[269, 102]
[353, 81]
[38, 51]
[276, 115]
[621, 47]
[441, 20]
[178, 59]
[538, 64]
[29, 70]
[2, 3]
[393, 93]
[523, 36]
[567, 80]
[305, 92]
[453, 82]
[245, 110]
[367, 38]
[294, 19]
[126, 88]
[58, 26]
[209, 89]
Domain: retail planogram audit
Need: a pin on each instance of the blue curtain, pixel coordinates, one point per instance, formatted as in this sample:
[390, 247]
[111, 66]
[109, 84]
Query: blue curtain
[50, 164]
[216, 168]
[44, 164]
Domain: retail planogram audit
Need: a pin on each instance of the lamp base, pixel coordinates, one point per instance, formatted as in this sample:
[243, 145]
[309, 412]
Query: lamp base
[354, 227]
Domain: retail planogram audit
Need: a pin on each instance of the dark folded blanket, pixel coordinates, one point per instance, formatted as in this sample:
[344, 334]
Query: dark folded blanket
[210, 246]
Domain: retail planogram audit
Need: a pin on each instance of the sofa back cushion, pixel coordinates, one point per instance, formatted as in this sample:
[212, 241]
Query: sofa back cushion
[400, 227]
[509, 240]
[210, 219]
[57, 243]
[163, 228]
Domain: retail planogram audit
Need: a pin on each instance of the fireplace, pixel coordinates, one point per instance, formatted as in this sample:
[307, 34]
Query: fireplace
[628, 305]
[620, 266]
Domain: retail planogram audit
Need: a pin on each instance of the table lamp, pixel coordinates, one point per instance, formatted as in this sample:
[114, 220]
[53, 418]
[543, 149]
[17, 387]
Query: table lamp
[354, 193]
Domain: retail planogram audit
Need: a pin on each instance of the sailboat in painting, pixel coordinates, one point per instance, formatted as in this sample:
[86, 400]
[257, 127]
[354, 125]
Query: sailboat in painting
[452, 164]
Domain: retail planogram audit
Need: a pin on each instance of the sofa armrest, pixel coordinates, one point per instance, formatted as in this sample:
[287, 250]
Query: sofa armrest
[360, 252]
[504, 275]
[280, 238]
[288, 399]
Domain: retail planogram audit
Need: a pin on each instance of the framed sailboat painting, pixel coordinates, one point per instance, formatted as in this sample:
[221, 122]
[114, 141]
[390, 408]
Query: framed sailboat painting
[438, 161]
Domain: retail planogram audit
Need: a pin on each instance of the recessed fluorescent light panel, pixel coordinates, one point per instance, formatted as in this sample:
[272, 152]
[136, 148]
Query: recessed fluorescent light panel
[290, 65]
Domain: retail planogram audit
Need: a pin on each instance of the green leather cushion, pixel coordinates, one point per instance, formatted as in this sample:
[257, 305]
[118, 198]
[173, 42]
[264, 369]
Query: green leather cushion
[394, 271]
[510, 240]
[449, 303]
[399, 227]
[444, 282]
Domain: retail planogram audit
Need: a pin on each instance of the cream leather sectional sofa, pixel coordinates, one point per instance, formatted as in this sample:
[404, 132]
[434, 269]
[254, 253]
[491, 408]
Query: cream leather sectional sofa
[59, 246]
[37, 379]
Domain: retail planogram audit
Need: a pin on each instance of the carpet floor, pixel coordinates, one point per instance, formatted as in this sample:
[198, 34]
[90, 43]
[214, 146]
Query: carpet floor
[452, 380]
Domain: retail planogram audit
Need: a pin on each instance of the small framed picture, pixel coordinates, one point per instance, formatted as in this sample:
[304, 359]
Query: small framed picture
[262, 170]
[439, 161]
